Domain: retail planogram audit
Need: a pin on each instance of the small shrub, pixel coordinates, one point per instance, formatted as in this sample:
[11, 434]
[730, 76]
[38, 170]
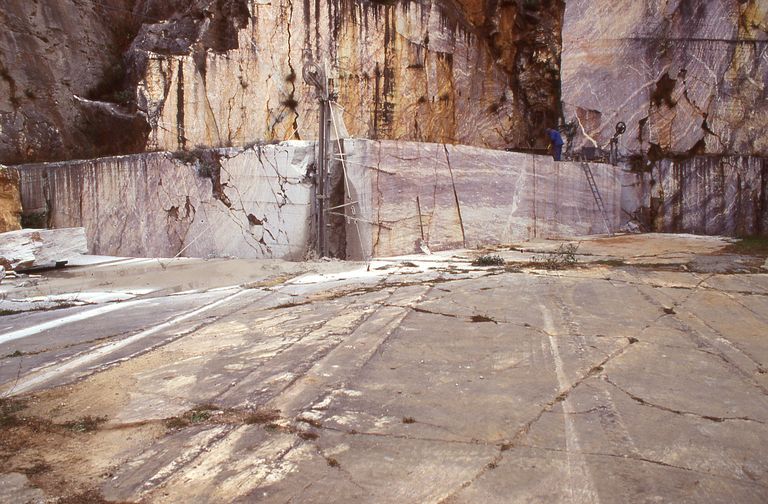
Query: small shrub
[562, 258]
[201, 413]
[488, 260]
[87, 423]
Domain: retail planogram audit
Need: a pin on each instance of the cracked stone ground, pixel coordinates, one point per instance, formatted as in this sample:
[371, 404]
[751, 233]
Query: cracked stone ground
[639, 375]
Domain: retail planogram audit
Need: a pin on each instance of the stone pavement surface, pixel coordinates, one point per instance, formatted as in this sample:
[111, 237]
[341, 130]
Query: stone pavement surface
[636, 375]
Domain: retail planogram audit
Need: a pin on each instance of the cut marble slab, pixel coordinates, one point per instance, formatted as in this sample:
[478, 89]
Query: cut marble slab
[36, 248]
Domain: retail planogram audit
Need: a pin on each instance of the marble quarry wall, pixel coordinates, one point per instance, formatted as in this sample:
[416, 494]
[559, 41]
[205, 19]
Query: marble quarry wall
[10, 200]
[89, 78]
[706, 195]
[687, 77]
[257, 202]
[246, 203]
[460, 196]
[402, 70]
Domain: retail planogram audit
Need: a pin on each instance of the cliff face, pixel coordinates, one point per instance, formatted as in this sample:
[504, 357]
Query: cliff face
[10, 201]
[403, 70]
[55, 57]
[93, 78]
[686, 76]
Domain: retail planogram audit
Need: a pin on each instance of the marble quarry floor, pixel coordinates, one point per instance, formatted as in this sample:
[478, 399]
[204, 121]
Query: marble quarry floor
[618, 369]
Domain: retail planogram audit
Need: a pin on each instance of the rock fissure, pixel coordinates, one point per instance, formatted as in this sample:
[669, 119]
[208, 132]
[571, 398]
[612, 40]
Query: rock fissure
[643, 402]
[639, 458]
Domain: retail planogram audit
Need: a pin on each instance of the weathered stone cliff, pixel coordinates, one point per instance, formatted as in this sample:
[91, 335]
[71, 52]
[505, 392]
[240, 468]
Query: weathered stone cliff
[56, 58]
[402, 70]
[713, 195]
[92, 78]
[686, 76]
[10, 200]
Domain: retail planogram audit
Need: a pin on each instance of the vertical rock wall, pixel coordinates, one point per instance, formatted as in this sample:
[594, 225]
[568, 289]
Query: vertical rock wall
[246, 203]
[708, 195]
[56, 58]
[468, 197]
[10, 201]
[403, 70]
[686, 76]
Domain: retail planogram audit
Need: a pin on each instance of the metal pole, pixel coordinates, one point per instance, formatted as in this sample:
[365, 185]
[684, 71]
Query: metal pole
[316, 76]
[320, 174]
[326, 169]
[421, 226]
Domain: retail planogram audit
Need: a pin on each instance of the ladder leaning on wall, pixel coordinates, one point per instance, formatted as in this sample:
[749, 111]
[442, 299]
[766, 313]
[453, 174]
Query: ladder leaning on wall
[596, 194]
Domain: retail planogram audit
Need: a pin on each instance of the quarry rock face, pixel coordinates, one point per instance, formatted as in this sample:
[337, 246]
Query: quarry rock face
[687, 77]
[82, 80]
[708, 195]
[257, 202]
[404, 70]
[449, 196]
[247, 203]
[10, 201]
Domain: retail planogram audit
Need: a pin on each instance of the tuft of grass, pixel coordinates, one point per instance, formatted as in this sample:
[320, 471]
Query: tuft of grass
[332, 462]
[201, 413]
[482, 318]
[488, 260]
[87, 423]
[409, 420]
[262, 416]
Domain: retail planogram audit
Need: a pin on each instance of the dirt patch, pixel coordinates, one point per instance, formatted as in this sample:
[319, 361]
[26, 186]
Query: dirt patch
[47, 451]
[753, 246]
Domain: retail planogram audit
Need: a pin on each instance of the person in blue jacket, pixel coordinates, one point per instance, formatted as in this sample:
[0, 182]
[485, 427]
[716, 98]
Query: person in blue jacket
[557, 143]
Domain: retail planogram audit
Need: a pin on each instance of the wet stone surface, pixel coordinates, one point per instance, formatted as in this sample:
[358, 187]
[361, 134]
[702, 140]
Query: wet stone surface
[631, 376]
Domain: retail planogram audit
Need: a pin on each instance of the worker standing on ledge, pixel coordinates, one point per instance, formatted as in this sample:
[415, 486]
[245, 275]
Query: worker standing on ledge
[557, 143]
